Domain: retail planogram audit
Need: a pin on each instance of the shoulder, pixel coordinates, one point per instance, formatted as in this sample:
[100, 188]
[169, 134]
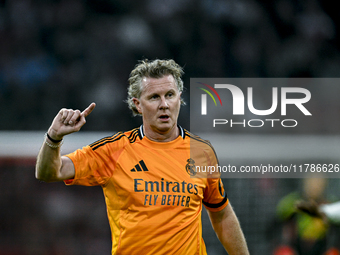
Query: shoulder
[198, 142]
[201, 148]
[118, 139]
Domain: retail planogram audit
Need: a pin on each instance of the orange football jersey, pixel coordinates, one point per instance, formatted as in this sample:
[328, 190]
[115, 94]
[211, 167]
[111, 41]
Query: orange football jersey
[153, 195]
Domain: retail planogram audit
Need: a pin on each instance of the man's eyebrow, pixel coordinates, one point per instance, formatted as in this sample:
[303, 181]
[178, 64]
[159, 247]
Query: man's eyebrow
[153, 94]
[157, 93]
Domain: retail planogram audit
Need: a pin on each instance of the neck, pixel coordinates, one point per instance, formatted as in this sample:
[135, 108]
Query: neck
[158, 136]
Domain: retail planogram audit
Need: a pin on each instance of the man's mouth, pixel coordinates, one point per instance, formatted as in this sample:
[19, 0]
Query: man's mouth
[164, 117]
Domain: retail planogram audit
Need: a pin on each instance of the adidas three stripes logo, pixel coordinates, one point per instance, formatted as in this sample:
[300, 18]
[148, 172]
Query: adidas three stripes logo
[138, 167]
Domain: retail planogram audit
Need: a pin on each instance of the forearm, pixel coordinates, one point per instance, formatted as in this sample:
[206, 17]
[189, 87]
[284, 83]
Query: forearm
[228, 230]
[49, 162]
[231, 237]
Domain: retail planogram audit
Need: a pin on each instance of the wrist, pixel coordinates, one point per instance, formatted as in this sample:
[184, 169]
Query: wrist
[53, 137]
[55, 143]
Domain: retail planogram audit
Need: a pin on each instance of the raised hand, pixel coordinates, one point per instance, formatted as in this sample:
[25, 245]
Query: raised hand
[68, 121]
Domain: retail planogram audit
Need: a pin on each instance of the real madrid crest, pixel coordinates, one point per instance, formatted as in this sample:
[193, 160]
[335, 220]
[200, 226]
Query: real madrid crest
[190, 167]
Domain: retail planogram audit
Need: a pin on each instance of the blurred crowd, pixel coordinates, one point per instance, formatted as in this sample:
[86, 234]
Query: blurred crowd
[38, 218]
[68, 53]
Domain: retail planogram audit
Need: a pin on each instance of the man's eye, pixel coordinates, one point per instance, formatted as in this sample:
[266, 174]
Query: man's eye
[154, 97]
[170, 94]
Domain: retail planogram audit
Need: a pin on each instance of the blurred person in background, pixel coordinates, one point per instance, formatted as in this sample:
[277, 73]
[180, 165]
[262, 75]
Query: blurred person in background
[301, 233]
[329, 213]
[153, 202]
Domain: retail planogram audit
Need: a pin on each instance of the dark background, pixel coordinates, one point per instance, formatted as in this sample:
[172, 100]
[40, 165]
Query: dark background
[56, 54]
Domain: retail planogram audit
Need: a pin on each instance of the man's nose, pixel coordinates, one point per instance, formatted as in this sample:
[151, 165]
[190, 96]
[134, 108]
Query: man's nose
[163, 104]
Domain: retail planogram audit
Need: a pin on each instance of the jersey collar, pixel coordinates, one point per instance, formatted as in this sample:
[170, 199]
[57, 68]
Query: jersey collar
[141, 132]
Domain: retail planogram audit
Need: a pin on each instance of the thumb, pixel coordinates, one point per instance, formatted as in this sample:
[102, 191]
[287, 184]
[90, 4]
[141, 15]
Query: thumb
[88, 110]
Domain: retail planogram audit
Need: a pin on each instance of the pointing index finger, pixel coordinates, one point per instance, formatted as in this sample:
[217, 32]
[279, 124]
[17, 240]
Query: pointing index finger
[88, 110]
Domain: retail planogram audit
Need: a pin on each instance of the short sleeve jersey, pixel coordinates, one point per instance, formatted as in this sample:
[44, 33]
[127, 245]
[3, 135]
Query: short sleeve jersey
[153, 196]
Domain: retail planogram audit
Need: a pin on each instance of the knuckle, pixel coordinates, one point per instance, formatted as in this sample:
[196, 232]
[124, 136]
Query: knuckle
[61, 112]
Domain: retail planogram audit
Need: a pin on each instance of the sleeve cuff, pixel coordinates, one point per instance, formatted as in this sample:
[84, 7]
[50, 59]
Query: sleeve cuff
[216, 207]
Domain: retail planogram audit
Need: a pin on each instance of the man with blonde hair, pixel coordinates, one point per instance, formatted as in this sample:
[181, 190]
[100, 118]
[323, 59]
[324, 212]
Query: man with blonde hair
[153, 198]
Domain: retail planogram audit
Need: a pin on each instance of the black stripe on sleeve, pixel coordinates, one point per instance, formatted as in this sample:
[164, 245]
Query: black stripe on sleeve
[216, 205]
[106, 141]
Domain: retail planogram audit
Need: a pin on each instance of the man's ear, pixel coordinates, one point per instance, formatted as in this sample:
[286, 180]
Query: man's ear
[137, 104]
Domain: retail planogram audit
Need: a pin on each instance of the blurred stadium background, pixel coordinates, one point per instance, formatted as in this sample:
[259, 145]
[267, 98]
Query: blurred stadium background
[68, 53]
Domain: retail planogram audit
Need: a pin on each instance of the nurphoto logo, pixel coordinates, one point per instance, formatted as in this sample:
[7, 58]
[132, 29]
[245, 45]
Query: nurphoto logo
[204, 98]
[301, 97]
